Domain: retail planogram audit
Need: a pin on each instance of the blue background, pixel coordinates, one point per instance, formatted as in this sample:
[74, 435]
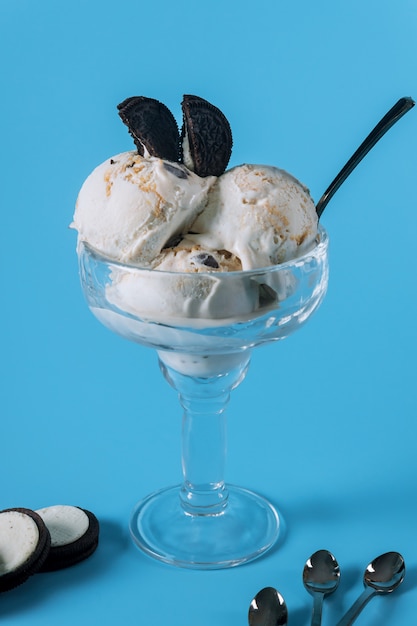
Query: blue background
[324, 424]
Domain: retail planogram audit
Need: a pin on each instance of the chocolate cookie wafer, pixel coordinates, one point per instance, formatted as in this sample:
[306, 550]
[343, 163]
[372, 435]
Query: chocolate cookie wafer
[24, 546]
[206, 137]
[152, 126]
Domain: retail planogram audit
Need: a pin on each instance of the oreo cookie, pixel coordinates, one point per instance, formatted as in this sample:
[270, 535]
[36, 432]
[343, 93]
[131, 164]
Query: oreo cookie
[74, 535]
[206, 137]
[24, 546]
[152, 126]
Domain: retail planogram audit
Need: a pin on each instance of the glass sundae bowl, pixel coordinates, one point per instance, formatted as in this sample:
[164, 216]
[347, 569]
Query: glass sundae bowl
[204, 327]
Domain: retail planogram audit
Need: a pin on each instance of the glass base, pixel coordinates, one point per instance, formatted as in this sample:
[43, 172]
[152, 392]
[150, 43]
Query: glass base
[247, 527]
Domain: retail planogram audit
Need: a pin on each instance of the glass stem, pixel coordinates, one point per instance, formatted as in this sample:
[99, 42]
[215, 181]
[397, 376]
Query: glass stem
[204, 445]
[204, 436]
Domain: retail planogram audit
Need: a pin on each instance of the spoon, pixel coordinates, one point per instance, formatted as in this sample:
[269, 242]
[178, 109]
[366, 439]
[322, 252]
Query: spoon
[381, 576]
[321, 576]
[394, 114]
[268, 608]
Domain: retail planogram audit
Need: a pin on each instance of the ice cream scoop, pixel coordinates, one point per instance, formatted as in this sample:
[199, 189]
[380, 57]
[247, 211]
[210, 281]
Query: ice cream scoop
[261, 214]
[130, 206]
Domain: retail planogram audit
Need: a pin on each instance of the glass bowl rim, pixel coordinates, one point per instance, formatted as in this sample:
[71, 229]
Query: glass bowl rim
[321, 246]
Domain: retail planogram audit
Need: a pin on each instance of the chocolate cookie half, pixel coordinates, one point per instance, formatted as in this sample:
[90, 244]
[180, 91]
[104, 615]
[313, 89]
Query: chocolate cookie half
[74, 535]
[24, 546]
[206, 137]
[152, 126]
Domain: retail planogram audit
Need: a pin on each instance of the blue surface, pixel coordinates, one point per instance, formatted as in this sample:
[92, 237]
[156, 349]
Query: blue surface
[324, 424]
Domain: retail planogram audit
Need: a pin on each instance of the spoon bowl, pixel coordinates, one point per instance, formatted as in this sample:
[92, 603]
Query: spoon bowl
[321, 576]
[382, 576]
[268, 608]
[385, 572]
[321, 573]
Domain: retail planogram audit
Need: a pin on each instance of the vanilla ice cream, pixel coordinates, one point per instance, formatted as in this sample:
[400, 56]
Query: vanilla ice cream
[130, 206]
[160, 216]
[261, 214]
[188, 256]
[184, 228]
[185, 296]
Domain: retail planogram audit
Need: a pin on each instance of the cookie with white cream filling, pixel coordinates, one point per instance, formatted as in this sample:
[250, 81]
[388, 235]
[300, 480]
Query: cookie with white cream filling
[74, 535]
[24, 546]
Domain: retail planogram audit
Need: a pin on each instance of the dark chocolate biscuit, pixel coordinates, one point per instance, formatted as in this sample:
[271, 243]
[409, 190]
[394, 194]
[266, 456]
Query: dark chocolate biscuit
[206, 137]
[24, 546]
[152, 126]
[74, 535]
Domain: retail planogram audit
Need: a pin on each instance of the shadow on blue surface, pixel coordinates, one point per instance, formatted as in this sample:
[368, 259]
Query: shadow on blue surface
[410, 580]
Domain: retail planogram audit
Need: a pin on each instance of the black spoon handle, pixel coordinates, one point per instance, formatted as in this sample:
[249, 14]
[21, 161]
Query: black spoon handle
[398, 110]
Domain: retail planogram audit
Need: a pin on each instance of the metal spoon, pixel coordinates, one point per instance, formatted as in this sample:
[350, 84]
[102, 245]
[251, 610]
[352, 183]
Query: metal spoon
[381, 576]
[268, 608]
[321, 576]
[394, 114]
